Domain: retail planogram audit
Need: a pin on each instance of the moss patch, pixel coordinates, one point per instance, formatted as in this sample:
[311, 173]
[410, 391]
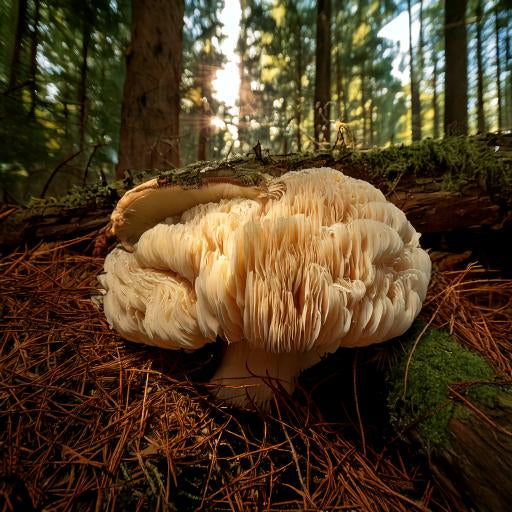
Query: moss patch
[454, 162]
[457, 161]
[437, 363]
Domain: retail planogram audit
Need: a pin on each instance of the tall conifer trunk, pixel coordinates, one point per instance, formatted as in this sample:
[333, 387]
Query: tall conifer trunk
[149, 135]
[435, 101]
[34, 43]
[298, 78]
[322, 72]
[479, 70]
[508, 97]
[498, 67]
[82, 88]
[456, 68]
[205, 78]
[21, 28]
[415, 93]
[363, 103]
[244, 96]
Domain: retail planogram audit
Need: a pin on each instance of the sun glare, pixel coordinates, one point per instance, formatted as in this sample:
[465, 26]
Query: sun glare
[218, 123]
[226, 84]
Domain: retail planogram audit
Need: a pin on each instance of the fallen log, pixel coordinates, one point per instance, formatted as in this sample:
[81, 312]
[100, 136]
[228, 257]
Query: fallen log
[450, 403]
[445, 186]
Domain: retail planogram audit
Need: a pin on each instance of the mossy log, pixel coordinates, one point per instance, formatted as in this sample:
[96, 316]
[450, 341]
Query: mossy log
[443, 186]
[449, 402]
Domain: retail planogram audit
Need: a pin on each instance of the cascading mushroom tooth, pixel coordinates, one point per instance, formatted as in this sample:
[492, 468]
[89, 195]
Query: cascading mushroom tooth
[285, 271]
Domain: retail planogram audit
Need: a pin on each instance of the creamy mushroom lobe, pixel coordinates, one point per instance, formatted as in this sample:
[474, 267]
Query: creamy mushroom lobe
[285, 272]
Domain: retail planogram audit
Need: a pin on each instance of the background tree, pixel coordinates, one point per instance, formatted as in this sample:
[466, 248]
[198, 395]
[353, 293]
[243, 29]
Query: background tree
[151, 100]
[480, 68]
[41, 118]
[456, 68]
[322, 105]
[66, 60]
[414, 80]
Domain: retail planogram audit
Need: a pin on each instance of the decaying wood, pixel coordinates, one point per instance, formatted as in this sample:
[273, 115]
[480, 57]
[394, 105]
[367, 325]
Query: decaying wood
[451, 394]
[429, 208]
[476, 466]
[440, 211]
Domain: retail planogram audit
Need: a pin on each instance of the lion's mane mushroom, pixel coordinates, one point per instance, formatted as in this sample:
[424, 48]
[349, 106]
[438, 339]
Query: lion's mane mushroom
[284, 271]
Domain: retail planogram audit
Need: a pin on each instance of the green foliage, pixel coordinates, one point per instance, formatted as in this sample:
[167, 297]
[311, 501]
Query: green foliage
[457, 161]
[41, 121]
[437, 363]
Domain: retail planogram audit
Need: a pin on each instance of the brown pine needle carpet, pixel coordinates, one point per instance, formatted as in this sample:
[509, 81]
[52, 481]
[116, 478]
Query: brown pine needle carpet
[91, 422]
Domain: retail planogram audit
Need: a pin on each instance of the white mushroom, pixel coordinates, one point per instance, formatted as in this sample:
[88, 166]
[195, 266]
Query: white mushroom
[285, 272]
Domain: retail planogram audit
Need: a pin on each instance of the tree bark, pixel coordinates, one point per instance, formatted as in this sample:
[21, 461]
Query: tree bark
[21, 28]
[508, 85]
[284, 125]
[151, 101]
[508, 60]
[415, 93]
[498, 67]
[82, 89]
[363, 103]
[456, 68]
[480, 70]
[458, 411]
[322, 99]
[244, 99]
[435, 101]
[205, 77]
[34, 42]
[298, 79]
[371, 127]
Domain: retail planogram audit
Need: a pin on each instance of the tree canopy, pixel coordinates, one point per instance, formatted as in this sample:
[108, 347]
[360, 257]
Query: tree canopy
[63, 67]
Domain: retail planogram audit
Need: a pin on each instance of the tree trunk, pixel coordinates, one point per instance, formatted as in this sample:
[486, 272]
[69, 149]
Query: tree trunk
[337, 79]
[363, 104]
[205, 77]
[508, 98]
[21, 28]
[322, 101]
[479, 70]
[435, 101]
[456, 68]
[371, 124]
[244, 97]
[151, 101]
[82, 89]
[449, 401]
[284, 125]
[498, 67]
[33, 57]
[298, 78]
[415, 93]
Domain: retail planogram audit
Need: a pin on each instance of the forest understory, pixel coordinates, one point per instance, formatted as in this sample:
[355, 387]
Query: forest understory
[89, 420]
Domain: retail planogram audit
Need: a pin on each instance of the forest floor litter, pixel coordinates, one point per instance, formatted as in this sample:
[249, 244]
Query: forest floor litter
[89, 421]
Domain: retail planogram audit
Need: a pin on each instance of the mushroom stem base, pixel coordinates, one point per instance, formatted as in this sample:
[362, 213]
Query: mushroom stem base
[248, 376]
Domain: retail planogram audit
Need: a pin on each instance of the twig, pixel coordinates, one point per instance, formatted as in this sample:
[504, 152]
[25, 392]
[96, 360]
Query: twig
[57, 169]
[94, 149]
[356, 399]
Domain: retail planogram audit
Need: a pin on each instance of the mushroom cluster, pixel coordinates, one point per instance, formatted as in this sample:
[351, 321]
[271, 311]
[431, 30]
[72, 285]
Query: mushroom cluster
[285, 272]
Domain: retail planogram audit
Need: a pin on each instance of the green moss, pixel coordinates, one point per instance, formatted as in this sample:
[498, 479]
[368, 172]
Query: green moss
[437, 363]
[454, 162]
